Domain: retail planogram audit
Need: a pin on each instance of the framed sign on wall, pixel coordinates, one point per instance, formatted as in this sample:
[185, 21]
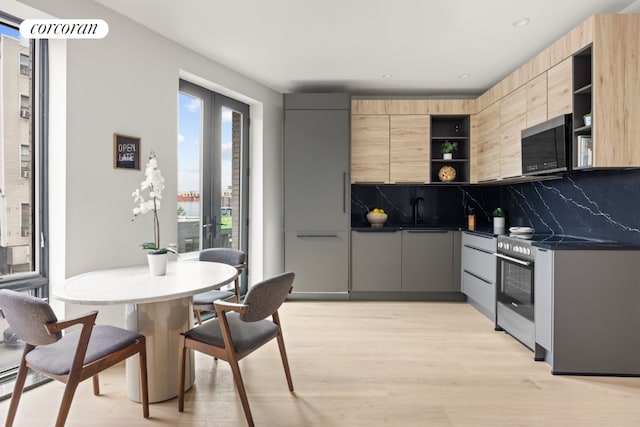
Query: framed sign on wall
[126, 152]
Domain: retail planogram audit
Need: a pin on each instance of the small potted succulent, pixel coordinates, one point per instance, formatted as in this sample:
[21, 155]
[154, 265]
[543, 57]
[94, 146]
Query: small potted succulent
[587, 119]
[448, 148]
[498, 221]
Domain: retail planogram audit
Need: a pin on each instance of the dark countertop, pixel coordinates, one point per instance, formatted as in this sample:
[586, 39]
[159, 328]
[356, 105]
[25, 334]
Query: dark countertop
[586, 245]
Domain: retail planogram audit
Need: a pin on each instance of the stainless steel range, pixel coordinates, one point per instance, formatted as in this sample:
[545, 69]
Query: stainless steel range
[514, 299]
[515, 283]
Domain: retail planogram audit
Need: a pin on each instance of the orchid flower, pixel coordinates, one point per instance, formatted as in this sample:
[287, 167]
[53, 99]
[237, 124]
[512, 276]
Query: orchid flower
[154, 184]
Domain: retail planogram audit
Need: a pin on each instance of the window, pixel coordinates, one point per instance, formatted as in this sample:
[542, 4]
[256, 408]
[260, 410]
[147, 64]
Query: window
[25, 161]
[25, 107]
[23, 189]
[25, 64]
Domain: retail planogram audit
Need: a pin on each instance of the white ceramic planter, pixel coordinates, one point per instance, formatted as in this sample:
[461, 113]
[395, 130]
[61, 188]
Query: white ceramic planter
[498, 224]
[587, 121]
[447, 156]
[157, 264]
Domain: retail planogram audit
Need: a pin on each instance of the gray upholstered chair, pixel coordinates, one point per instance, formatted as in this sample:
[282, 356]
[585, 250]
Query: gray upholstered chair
[204, 301]
[69, 358]
[238, 330]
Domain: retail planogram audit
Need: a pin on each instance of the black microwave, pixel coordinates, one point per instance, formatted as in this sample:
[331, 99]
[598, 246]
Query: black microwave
[546, 148]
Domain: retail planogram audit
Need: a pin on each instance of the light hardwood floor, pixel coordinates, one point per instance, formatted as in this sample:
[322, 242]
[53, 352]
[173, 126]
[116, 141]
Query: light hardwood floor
[368, 364]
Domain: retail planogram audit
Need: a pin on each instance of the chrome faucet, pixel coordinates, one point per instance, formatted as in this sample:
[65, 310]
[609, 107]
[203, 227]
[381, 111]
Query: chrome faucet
[417, 216]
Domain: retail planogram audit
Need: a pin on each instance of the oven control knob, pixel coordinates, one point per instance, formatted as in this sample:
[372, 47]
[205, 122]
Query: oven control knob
[500, 245]
[506, 246]
[528, 251]
[518, 249]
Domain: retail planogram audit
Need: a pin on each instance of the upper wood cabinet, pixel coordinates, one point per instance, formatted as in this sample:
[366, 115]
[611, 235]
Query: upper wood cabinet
[369, 148]
[409, 149]
[486, 145]
[616, 90]
[513, 119]
[560, 93]
[537, 100]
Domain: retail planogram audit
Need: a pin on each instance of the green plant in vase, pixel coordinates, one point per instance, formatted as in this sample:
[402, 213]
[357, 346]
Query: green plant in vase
[447, 149]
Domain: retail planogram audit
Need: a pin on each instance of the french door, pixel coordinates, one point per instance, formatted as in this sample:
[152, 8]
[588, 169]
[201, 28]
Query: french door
[213, 157]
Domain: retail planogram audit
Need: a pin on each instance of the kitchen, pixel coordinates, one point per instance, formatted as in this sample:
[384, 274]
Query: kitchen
[576, 207]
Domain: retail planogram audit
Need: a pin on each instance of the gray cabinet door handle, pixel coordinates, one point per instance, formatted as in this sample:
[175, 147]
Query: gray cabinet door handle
[316, 235]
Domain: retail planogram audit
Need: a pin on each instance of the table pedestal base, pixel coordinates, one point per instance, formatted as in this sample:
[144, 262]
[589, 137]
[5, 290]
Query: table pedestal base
[161, 324]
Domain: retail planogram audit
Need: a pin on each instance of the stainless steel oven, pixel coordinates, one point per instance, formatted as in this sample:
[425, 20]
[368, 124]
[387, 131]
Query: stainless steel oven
[514, 288]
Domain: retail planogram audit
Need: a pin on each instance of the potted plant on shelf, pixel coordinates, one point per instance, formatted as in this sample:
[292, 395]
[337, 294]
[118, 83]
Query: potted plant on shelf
[498, 221]
[448, 148]
[587, 119]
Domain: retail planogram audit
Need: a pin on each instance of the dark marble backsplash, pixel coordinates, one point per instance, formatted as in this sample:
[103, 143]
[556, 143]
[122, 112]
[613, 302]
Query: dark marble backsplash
[444, 205]
[598, 204]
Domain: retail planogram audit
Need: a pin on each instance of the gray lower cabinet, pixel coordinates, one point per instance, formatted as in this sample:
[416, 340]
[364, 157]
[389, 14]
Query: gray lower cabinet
[428, 261]
[376, 261]
[478, 272]
[409, 262]
[320, 261]
[586, 310]
[316, 193]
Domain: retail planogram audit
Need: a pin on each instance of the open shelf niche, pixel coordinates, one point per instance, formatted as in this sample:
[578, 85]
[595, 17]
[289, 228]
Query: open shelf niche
[452, 128]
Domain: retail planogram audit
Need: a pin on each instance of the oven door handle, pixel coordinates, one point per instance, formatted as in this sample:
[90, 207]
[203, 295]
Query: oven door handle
[517, 261]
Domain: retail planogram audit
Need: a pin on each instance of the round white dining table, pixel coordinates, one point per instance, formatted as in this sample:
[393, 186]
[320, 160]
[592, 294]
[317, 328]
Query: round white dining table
[159, 307]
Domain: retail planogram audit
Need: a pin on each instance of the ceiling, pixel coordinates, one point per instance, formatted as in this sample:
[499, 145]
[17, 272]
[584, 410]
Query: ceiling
[422, 47]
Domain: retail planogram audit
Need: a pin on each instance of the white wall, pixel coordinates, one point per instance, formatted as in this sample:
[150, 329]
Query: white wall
[128, 83]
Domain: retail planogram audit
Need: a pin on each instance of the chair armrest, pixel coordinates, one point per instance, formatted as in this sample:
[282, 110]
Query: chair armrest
[240, 267]
[85, 319]
[222, 306]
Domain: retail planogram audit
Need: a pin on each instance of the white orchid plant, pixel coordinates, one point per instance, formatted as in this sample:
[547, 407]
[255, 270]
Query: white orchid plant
[154, 184]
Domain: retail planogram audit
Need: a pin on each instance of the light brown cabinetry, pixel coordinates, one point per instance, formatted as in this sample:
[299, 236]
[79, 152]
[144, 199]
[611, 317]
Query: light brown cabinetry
[389, 148]
[537, 100]
[409, 149]
[513, 119]
[616, 103]
[486, 165]
[370, 148]
[560, 94]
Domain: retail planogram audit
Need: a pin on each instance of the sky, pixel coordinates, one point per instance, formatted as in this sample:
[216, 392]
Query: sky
[189, 149]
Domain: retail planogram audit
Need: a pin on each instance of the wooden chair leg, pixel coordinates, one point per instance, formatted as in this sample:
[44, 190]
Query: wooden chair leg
[67, 398]
[198, 317]
[144, 381]
[285, 361]
[181, 362]
[237, 289]
[96, 385]
[237, 378]
[17, 392]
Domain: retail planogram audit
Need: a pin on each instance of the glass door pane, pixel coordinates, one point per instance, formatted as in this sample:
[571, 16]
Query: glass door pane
[190, 128]
[231, 151]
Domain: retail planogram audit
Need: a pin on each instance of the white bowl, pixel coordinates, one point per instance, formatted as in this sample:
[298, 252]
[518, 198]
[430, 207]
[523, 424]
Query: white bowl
[377, 219]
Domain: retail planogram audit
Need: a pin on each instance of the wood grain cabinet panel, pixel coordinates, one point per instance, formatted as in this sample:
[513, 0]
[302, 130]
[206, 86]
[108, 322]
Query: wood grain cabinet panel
[513, 119]
[616, 89]
[369, 148]
[409, 148]
[537, 100]
[487, 144]
[559, 92]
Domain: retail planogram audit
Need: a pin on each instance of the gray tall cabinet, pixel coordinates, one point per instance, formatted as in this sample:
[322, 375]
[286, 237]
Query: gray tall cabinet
[316, 191]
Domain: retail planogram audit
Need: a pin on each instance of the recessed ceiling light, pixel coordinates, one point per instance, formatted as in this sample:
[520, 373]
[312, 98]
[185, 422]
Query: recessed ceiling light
[386, 76]
[520, 22]
[464, 76]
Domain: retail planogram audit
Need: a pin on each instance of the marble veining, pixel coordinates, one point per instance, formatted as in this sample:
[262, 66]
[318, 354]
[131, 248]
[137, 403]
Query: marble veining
[602, 204]
[597, 204]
